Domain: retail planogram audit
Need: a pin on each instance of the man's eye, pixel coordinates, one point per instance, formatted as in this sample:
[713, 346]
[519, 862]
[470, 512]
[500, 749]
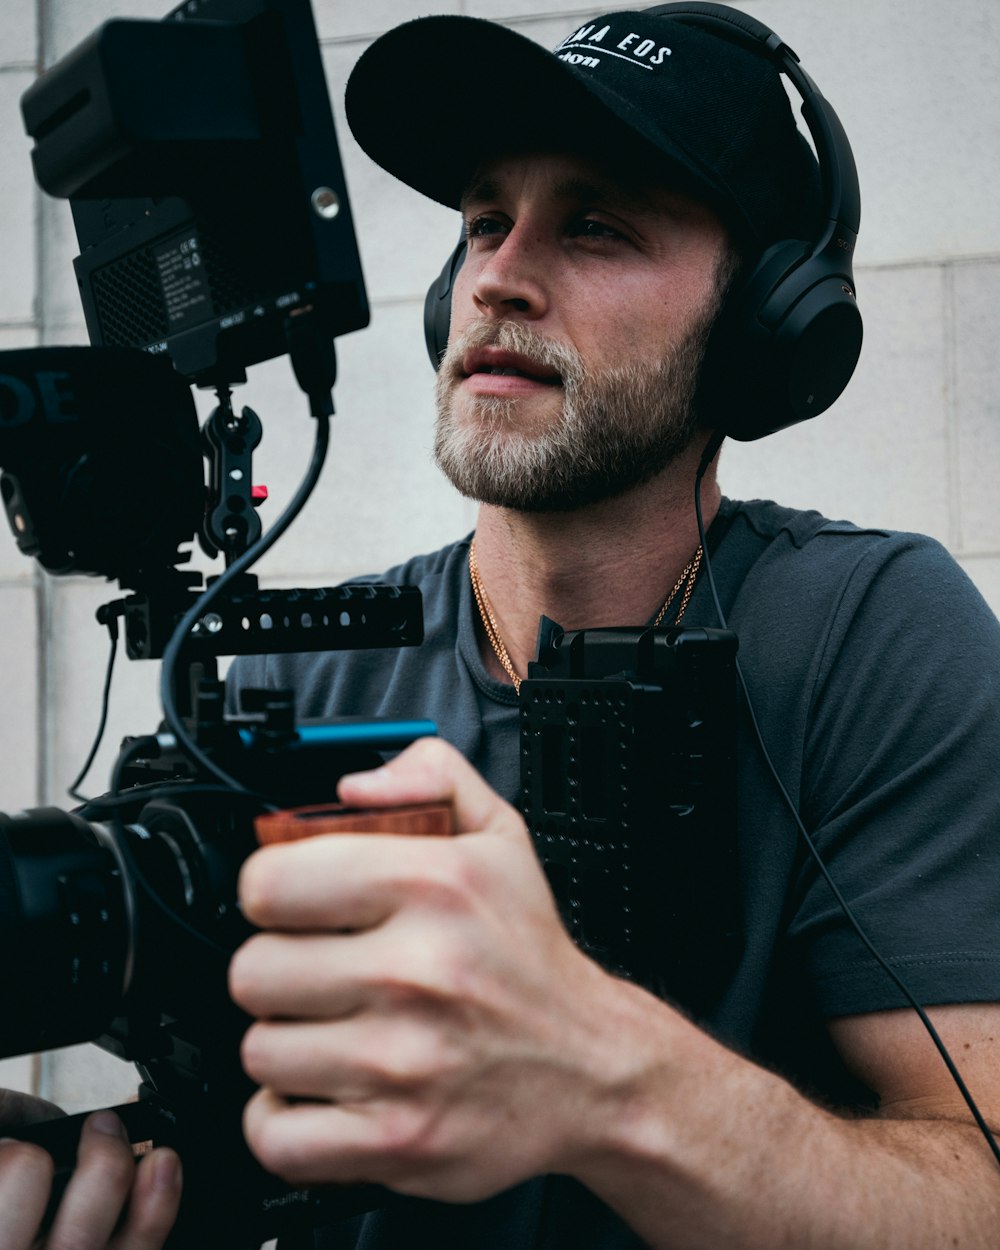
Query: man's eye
[484, 227]
[592, 228]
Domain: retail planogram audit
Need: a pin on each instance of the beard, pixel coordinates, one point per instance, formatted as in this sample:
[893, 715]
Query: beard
[616, 428]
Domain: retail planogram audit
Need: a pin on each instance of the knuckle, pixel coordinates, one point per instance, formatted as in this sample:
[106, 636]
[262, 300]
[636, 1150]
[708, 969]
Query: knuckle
[254, 1051]
[258, 887]
[75, 1237]
[28, 1159]
[423, 975]
[472, 876]
[429, 750]
[405, 1139]
[435, 759]
[402, 1064]
[278, 1152]
[242, 975]
[113, 1165]
[446, 881]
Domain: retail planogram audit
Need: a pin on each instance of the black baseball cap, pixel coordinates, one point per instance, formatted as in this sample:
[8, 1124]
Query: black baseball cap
[432, 99]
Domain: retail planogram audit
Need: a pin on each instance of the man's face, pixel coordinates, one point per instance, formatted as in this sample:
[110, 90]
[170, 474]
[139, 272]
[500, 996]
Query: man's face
[578, 324]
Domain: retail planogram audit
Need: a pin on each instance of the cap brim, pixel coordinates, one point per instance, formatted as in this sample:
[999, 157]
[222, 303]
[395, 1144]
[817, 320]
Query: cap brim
[432, 99]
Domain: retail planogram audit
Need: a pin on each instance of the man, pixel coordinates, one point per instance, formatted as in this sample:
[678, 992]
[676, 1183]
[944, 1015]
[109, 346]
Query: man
[424, 1021]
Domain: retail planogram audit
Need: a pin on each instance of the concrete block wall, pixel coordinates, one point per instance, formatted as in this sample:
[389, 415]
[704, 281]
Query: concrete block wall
[914, 443]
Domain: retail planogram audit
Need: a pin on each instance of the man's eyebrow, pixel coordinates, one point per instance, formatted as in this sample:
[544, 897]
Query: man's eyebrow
[478, 191]
[576, 190]
[614, 194]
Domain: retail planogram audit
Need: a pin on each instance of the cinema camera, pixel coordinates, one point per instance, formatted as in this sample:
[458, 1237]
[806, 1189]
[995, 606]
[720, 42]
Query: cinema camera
[201, 163]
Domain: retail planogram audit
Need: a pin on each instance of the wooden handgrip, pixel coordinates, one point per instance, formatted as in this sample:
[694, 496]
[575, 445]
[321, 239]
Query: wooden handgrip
[417, 820]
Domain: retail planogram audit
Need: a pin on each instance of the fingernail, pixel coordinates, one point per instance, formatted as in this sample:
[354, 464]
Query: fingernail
[108, 1123]
[166, 1169]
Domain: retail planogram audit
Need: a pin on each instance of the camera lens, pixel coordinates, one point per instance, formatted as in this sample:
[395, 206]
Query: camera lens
[63, 930]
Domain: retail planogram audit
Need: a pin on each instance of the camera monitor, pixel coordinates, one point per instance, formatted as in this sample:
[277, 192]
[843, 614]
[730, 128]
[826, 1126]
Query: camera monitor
[204, 176]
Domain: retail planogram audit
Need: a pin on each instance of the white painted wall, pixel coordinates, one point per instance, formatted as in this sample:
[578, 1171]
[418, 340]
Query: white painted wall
[914, 443]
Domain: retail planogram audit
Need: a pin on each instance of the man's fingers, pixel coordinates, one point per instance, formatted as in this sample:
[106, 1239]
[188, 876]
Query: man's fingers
[296, 976]
[309, 1142]
[105, 1183]
[356, 881]
[334, 881]
[429, 771]
[25, 1179]
[155, 1200]
[349, 1062]
[298, 1060]
[98, 1189]
[347, 882]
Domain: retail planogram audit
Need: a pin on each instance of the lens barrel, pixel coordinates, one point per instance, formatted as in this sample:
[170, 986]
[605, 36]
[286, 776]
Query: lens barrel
[64, 931]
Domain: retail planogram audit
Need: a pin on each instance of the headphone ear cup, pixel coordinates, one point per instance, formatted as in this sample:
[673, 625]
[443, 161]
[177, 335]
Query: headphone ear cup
[819, 342]
[437, 305]
[785, 345]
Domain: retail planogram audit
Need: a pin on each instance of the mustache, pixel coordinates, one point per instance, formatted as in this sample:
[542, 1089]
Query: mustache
[512, 336]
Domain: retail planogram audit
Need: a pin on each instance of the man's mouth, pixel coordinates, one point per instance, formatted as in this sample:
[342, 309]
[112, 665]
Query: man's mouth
[497, 362]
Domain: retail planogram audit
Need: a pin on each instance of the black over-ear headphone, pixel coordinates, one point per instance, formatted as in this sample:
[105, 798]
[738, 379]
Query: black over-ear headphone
[787, 341]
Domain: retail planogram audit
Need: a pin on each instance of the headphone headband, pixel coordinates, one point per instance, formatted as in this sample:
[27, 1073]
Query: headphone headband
[841, 192]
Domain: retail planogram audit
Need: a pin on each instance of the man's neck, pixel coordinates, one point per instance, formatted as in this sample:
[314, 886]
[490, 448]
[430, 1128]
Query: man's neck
[612, 563]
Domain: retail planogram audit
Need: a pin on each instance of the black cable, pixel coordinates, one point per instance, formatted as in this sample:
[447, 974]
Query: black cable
[138, 746]
[95, 809]
[73, 790]
[201, 605]
[709, 455]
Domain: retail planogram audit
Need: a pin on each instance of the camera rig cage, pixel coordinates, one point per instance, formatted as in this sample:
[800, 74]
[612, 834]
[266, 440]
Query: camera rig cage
[200, 160]
[628, 766]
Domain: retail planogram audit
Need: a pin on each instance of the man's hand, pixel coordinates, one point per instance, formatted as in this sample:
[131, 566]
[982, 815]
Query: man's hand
[424, 1020]
[109, 1203]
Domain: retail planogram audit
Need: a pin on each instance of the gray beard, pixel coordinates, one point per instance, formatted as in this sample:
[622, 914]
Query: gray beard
[617, 427]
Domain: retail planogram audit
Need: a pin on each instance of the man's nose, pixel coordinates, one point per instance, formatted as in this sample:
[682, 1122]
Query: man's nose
[511, 278]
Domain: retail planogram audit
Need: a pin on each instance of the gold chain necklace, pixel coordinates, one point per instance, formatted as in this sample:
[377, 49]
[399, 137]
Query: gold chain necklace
[687, 579]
